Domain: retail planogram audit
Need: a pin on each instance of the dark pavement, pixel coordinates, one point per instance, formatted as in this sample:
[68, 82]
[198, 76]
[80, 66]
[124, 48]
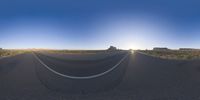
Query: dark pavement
[146, 78]
[80, 67]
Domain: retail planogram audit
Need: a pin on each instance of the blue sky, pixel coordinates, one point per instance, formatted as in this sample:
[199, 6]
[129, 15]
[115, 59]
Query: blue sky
[97, 24]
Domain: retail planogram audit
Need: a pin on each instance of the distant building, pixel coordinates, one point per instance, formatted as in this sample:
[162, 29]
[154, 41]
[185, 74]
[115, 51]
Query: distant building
[160, 49]
[112, 48]
[189, 49]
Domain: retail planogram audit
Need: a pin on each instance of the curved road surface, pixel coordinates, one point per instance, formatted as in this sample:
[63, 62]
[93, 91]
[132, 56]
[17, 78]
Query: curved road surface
[146, 78]
[80, 68]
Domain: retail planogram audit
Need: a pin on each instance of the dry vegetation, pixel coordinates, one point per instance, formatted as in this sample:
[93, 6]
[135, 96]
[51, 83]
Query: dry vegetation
[174, 54]
[12, 52]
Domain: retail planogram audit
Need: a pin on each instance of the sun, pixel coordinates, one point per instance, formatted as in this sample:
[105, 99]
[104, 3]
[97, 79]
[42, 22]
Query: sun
[131, 46]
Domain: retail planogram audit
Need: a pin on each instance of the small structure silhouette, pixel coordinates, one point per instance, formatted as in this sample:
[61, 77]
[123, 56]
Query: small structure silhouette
[112, 48]
[189, 49]
[160, 49]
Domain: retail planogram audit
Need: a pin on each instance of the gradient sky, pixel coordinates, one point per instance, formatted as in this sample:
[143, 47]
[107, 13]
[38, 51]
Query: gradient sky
[97, 24]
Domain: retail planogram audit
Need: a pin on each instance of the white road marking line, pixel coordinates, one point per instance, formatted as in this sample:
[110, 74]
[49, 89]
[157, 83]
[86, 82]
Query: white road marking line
[4, 57]
[76, 77]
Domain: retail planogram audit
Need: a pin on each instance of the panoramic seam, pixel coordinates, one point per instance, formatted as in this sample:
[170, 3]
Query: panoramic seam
[84, 77]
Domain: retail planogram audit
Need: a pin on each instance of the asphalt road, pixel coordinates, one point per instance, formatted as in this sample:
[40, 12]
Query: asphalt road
[146, 78]
[80, 67]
